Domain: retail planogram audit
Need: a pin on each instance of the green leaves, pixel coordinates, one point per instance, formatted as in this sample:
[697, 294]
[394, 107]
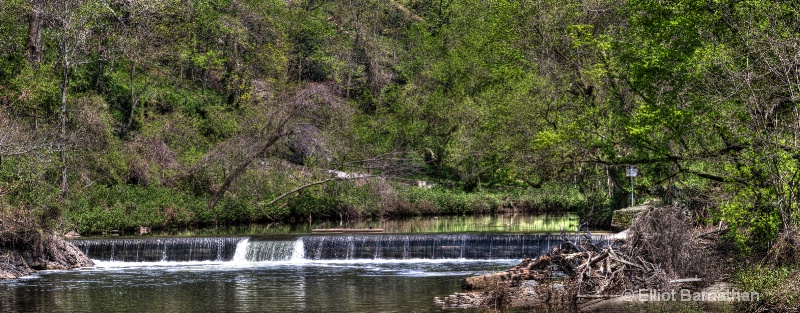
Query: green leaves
[488, 93]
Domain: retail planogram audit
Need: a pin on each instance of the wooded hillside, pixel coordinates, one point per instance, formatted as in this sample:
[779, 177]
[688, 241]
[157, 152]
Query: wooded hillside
[121, 113]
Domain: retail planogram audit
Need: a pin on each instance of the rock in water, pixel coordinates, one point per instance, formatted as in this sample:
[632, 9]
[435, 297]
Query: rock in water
[623, 218]
[64, 255]
[72, 234]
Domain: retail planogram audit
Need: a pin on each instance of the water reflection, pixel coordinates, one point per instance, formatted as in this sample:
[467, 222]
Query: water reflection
[499, 223]
[254, 287]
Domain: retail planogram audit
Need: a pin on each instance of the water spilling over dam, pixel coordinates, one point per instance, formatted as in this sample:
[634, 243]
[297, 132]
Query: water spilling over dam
[323, 247]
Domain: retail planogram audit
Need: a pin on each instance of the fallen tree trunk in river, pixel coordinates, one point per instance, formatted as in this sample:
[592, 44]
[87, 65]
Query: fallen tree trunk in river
[528, 269]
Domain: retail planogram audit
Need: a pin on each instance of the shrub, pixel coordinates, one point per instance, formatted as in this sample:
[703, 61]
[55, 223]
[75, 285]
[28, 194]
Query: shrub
[126, 207]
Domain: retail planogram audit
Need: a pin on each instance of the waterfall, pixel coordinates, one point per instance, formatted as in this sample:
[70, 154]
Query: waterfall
[270, 250]
[240, 254]
[159, 249]
[299, 252]
[434, 246]
[324, 247]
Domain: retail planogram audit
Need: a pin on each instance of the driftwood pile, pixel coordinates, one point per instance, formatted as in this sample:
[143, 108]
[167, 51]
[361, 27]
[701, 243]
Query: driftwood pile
[591, 270]
[659, 251]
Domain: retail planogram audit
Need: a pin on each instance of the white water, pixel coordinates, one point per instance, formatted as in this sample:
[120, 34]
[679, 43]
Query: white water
[299, 252]
[241, 251]
[268, 251]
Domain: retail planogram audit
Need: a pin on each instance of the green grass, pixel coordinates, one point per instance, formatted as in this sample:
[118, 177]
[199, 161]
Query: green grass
[125, 207]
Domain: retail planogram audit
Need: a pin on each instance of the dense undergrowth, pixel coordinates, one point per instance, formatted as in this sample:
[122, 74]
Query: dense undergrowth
[776, 286]
[102, 208]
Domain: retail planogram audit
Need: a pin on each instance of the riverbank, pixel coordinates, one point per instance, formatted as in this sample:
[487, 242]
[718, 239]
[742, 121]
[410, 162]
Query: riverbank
[99, 209]
[26, 248]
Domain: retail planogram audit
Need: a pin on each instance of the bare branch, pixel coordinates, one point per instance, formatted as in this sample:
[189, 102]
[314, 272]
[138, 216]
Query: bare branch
[320, 182]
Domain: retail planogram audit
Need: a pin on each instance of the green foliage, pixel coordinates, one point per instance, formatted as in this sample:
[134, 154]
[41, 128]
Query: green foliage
[308, 204]
[505, 104]
[219, 124]
[755, 229]
[552, 198]
[31, 92]
[126, 207]
[776, 287]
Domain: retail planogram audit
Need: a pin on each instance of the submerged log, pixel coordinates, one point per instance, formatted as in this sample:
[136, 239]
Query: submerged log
[528, 269]
[491, 280]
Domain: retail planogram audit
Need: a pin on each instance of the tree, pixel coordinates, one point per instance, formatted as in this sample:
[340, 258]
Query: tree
[72, 20]
[716, 96]
[274, 119]
[135, 42]
[34, 45]
[757, 57]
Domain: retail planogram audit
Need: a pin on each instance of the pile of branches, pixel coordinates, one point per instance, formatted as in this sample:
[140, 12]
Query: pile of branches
[594, 272]
[659, 251]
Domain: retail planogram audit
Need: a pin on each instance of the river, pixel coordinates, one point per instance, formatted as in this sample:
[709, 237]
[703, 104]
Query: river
[289, 272]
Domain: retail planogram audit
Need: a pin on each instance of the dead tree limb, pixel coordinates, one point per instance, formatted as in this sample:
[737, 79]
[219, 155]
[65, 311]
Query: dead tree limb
[278, 133]
[320, 182]
[406, 11]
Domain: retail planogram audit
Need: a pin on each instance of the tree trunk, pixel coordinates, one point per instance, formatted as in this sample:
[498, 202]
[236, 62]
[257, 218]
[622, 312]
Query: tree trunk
[63, 139]
[34, 45]
[134, 99]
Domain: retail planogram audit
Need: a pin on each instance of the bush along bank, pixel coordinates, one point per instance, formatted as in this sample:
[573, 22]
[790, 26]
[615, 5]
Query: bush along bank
[127, 207]
[775, 276]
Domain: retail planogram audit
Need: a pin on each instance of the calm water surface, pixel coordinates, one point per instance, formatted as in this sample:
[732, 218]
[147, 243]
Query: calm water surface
[306, 286]
[496, 223]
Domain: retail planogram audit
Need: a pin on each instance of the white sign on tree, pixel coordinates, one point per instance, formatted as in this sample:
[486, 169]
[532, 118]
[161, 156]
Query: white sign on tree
[631, 171]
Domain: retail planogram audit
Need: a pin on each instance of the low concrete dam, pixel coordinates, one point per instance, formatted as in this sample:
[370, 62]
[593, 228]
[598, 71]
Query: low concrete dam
[324, 247]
